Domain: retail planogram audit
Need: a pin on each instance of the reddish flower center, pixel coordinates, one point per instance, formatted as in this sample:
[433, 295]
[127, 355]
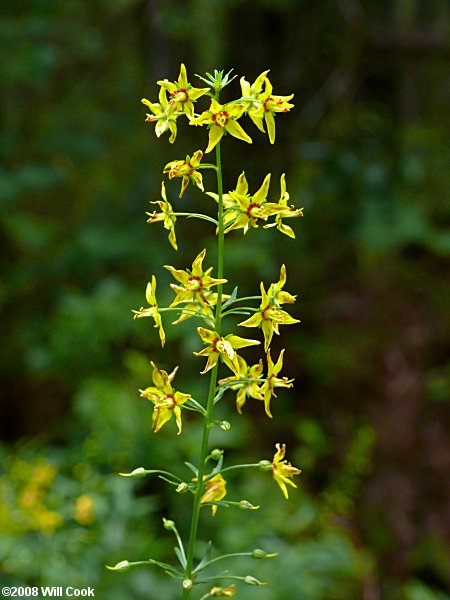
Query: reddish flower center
[220, 118]
[180, 95]
[194, 283]
[220, 346]
[264, 314]
[253, 210]
[267, 101]
[171, 402]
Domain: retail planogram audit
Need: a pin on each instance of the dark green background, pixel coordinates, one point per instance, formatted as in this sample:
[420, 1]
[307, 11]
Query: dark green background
[365, 153]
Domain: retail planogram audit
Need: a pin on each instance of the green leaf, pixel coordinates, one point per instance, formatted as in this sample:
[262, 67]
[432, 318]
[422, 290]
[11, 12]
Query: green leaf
[217, 468]
[192, 468]
[181, 557]
[205, 559]
[231, 299]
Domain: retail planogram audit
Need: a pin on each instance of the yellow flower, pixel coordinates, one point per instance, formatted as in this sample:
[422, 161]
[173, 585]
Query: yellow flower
[269, 105]
[247, 382]
[243, 210]
[182, 94]
[167, 402]
[166, 216]
[187, 170]
[276, 292]
[251, 92]
[272, 381]
[286, 212]
[227, 592]
[222, 119]
[47, 520]
[223, 347]
[194, 282]
[84, 509]
[164, 116]
[42, 474]
[215, 489]
[153, 310]
[230, 205]
[269, 317]
[282, 470]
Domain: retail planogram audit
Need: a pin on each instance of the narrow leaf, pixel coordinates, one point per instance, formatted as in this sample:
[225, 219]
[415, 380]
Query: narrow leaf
[231, 299]
[181, 557]
[192, 468]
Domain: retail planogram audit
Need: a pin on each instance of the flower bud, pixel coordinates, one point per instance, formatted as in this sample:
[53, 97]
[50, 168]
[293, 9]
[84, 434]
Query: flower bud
[265, 465]
[139, 472]
[183, 487]
[258, 553]
[225, 425]
[246, 505]
[188, 584]
[250, 580]
[123, 565]
[216, 454]
[168, 524]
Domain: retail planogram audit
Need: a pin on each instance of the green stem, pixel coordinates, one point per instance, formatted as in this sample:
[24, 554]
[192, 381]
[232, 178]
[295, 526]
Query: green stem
[194, 313]
[206, 166]
[238, 311]
[196, 216]
[212, 384]
[224, 556]
[234, 467]
[221, 239]
[240, 299]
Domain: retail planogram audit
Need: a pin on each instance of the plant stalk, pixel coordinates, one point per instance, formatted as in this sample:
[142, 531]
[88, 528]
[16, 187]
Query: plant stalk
[212, 384]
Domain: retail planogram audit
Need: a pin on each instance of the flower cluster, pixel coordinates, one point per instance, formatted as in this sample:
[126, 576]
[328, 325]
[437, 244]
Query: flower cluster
[178, 98]
[201, 295]
[166, 401]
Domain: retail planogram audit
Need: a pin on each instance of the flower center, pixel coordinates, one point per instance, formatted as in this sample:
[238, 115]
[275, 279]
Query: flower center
[220, 118]
[170, 402]
[220, 346]
[180, 95]
[253, 210]
[267, 103]
[194, 283]
[266, 313]
[181, 170]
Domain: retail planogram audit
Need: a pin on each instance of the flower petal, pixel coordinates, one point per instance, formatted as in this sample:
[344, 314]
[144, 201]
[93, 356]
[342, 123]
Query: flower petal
[236, 130]
[215, 135]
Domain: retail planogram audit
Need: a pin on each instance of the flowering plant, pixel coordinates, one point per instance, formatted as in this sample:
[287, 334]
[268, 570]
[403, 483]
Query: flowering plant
[200, 295]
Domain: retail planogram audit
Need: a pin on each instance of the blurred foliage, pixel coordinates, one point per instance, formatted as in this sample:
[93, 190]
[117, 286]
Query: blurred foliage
[365, 153]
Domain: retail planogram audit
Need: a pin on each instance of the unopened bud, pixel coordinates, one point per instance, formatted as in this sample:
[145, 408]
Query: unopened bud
[123, 565]
[139, 472]
[258, 553]
[183, 487]
[168, 524]
[216, 454]
[225, 425]
[246, 505]
[188, 584]
[265, 465]
[250, 580]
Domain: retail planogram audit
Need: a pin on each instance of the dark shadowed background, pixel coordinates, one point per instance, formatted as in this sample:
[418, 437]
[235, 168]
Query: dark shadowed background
[365, 154]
